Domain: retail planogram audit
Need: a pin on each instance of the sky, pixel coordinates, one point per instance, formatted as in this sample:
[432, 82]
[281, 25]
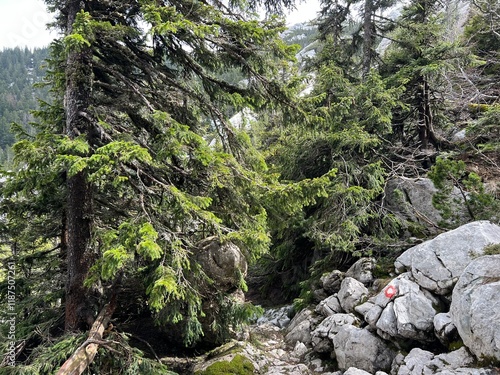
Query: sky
[306, 11]
[23, 22]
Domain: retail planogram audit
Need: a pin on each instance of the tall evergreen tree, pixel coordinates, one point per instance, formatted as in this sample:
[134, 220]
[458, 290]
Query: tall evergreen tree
[418, 55]
[79, 206]
[138, 91]
[341, 136]
[351, 30]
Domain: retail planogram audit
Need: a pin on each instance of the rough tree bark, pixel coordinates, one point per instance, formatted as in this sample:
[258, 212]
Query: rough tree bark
[423, 119]
[79, 199]
[426, 132]
[368, 37]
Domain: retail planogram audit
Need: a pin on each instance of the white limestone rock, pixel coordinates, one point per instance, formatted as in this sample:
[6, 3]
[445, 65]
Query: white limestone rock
[325, 331]
[351, 294]
[475, 308]
[279, 317]
[356, 347]
[300, 333]
[301, 326]
[329, 306]
[362, 270]
[402, 310]
[422, 362]
[437, 264]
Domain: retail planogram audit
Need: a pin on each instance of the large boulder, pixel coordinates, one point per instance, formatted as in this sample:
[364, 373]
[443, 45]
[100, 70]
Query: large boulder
[402, 310]
[300, 328]
[475, 307]
[224, 263]
[300, 333]
[331, 281]
[411, 200]
[362, 270]
[323, 334]
[329, 306]
[351, 293]
[359, 348]
[437, 264]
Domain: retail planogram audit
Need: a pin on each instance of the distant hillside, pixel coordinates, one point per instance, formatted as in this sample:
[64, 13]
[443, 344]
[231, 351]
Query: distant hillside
[303, 34]
[300, 33]
[19, 70]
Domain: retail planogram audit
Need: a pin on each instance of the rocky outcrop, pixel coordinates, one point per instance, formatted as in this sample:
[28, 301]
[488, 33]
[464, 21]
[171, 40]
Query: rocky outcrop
[329, 306]
[421, 362]
[363, 326]
[300, 328]
[408, 309]
[411, 200]
[475, 307]
[437, 264]
[362, 270]
[351, 293]
[322, 336]
[402, 310]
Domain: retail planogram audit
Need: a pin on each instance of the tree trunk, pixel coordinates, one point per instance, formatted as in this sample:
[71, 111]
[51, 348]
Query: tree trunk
[426, 131]
[79, 199]
[368, 37]
[423, 120]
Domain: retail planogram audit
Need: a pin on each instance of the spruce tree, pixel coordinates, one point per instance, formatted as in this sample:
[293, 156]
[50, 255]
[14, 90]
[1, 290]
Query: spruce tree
[340, 133]
[419, 56]
[121, 169]
[351, 31]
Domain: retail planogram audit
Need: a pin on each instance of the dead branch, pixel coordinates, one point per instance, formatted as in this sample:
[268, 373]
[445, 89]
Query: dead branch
[84, 355]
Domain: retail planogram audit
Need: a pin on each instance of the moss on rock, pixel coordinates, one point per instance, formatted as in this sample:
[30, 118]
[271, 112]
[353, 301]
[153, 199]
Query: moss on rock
[239, 365]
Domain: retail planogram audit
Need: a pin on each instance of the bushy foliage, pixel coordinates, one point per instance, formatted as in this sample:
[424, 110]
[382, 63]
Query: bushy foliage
[154, 186]
[448, 174]
[339, 137]
[299, 190]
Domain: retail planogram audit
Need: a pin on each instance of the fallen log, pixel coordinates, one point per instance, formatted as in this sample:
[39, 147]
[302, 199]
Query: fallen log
[84, 355]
